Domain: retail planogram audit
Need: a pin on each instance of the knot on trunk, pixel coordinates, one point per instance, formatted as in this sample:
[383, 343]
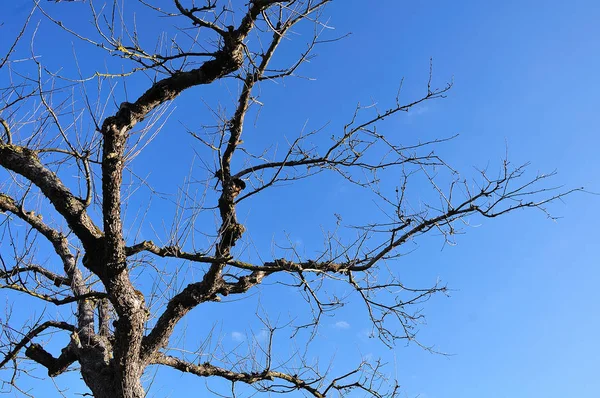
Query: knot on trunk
[230, 233]
[231, 230]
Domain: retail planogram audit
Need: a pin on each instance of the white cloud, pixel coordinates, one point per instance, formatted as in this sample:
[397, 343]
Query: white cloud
[418, 111]
[342, 325]
[261, 336]
[237, 336]
[365, 334]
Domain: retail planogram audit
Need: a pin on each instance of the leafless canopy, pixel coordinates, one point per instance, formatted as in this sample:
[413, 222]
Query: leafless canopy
[69, 143]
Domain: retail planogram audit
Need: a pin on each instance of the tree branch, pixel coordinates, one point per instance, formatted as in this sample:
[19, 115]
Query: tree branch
[30, 336]
[61, 247]
[25, 162]
[230, 230]
[207, 370]
[54, 300]
[55, 366]
[57, 280]
[7, 131]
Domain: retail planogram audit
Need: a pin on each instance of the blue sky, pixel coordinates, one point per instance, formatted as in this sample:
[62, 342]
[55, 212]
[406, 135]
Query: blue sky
[522, 320]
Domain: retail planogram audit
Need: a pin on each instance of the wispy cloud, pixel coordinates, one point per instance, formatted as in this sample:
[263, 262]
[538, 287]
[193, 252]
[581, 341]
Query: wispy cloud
[365, 334]
[237, 336]
[261, 336]
[414, 113]
[418, 111]
[342, 325]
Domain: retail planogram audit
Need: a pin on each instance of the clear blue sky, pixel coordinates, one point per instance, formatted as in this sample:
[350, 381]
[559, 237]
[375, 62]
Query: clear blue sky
[522, 320]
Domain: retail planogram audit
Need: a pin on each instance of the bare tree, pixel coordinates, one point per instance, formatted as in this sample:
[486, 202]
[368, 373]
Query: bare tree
[68, 144]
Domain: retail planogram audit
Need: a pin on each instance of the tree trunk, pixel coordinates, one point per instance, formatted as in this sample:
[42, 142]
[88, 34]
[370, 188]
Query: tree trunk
[107, 371]
[108, 382]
